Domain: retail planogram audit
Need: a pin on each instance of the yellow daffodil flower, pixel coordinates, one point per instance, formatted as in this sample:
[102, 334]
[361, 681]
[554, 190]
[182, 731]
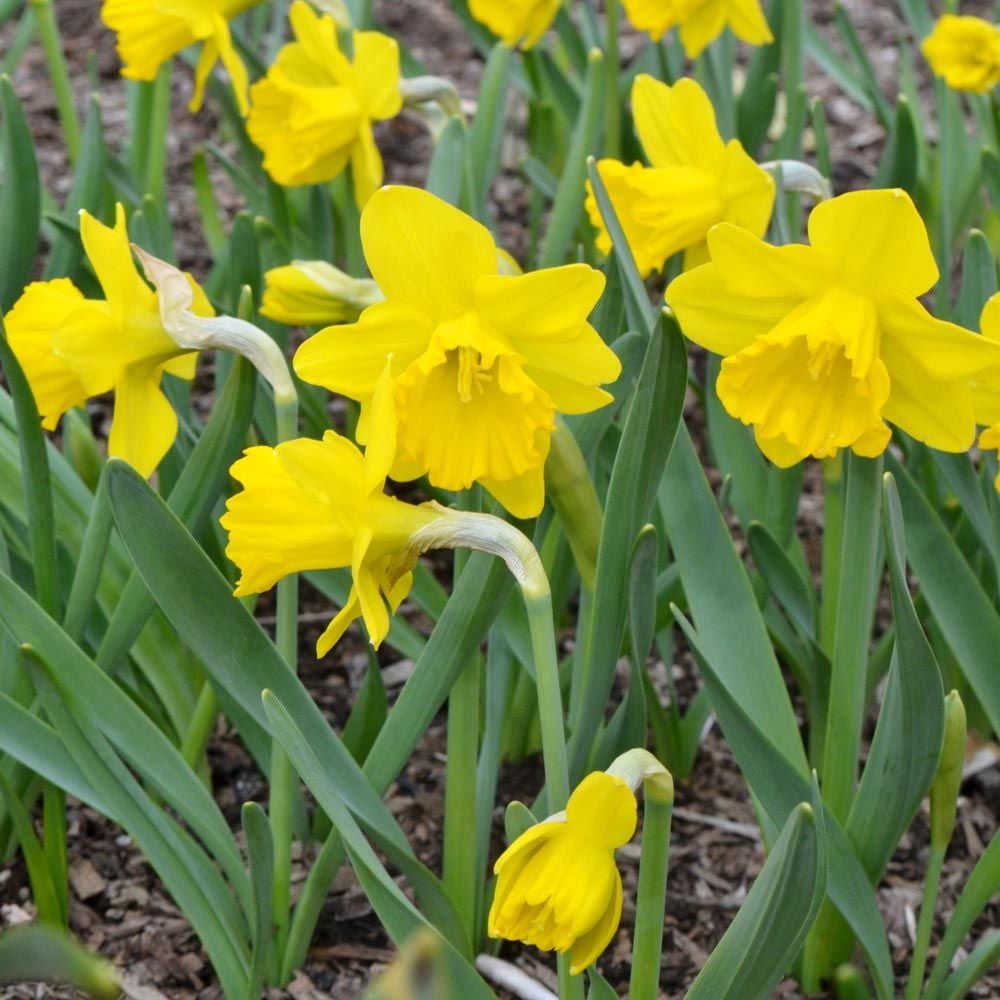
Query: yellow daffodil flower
[557, 884]
[72, 348]
[986, 391]
[480, 361]
[312, 114]
[824, 343]
[696, 180]
[321, 505]
[152, 31]
[700, 21]
[516, 21]
[965, 51]
[315, 293]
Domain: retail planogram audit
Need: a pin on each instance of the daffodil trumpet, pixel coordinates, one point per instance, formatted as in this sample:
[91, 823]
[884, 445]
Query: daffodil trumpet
[557, 884]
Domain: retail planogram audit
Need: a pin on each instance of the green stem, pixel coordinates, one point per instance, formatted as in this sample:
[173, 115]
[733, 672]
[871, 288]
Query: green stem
[48, 32]
[206, 710]
[855, 595]
[538, 601]
[159, 126]
[918, 963]
[282, 777]
[459, 793]
[647, 947]
[570, 987]
[612, 67]
[90, 564]
[54, 841]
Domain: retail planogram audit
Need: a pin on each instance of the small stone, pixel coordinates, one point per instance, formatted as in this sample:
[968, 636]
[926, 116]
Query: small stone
[86, 880]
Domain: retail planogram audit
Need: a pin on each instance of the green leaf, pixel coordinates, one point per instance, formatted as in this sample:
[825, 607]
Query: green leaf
[772, 923]
[642, 594]
[901, 158]
[979, 280]
[36, 481]
[647, 440]
[86, 192]
[779, 787]
[37, 952]
[517, 819]
[486, 134]
[598, 987]
[982, 886]
[723, 604]
[179, 861]
[446, 173]
[20, 198]
[368, 714]
[568, 206]
[904, 752]
[396, 913]
[260, 856]
[967, 617]
[786, 584]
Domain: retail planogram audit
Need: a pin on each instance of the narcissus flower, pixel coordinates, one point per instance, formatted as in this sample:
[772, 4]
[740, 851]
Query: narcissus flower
[480, 361]
[516, 21]
[696, 180]
[320, 505]
[700, 21]
[965, 51]
[315, 293]
[151, 31]
[557, 885]
[72, 348]
[312, 114]
[824, 343]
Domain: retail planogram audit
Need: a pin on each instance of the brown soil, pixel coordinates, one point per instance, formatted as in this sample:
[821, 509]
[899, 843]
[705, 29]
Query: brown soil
[119, 907]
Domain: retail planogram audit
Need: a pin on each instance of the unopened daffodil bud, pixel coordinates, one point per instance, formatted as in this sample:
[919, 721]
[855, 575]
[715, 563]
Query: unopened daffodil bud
[194, 332]
[965, 51]
[558, 887]
[694, 180]
[700, 21]
[947, 781]
[315, 293]
[312, 114]
[72, 348]
[150, 32]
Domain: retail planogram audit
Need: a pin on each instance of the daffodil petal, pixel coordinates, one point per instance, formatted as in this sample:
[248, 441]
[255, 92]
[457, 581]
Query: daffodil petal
[376, 71]
[676, 125]
[424, 253]
[144, 424]
[604, 806]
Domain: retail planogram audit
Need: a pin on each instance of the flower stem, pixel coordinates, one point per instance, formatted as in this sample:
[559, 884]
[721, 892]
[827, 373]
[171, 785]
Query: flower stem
[156, 157]
[282, 776]
[647, 941]
[199, 729]
[459, 794]
[48, 32]
[89, 565]
[612, 68]
[855, 596]
[918, 963]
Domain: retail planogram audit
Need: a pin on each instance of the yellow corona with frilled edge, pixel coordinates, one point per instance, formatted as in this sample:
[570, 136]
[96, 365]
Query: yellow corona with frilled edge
[824, 344]
[480, 361]
[965, 52]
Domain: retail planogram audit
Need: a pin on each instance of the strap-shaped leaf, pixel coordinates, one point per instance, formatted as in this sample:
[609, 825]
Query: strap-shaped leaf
[38, 952]
[397, 914]
[904, 753]
[779, 787]
[647, 441]
[260, 856]
[772, 923]
[722, 603]
[967, 617]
